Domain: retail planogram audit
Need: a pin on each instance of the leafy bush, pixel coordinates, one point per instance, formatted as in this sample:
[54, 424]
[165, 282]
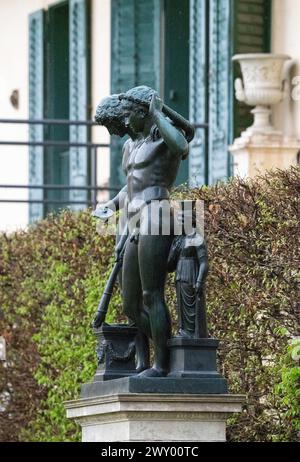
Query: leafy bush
[52, 275]
[51, 279]
[288, 390]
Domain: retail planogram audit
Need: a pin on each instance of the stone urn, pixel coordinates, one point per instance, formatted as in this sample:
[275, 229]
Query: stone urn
[264, 84]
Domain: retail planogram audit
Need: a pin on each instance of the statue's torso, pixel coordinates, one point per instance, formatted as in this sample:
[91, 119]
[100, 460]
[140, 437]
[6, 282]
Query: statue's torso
[188, 265]
[149, 163]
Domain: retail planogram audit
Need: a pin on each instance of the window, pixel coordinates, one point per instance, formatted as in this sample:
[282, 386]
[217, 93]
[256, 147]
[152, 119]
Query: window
[183, 48]
[59, 86]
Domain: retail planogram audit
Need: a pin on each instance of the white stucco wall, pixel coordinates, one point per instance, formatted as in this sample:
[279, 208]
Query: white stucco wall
[286, 39]
[14, 75]
[101, 46]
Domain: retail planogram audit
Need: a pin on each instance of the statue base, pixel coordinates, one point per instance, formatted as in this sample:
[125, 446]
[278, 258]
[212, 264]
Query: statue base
[193, 366]
[193, 358]
[128, 417]
[190, 404]
[161, 385]
[115, 351]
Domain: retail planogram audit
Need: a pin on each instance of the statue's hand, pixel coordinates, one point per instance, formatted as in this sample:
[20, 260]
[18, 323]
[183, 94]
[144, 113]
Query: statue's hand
[198, 288]
[156, 104]
[110, 205]
[98, 319]
[104, 212]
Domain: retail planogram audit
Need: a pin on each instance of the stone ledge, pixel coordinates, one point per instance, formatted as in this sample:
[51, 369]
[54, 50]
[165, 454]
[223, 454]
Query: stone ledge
[154, 417]
[210, 383]
[154, 402]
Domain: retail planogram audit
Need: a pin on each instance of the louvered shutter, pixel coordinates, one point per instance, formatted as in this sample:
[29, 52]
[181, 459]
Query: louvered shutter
[36, 111]
[197, 91]
[219, 89]
[79, 96]
[135, 58]
[56, 159]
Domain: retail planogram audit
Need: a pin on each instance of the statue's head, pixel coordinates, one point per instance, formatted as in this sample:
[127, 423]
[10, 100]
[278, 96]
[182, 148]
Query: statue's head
[135, 103]
[110, 113]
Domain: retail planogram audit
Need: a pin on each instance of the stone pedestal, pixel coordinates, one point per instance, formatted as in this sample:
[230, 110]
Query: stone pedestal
[193, 358]
[255, 153]
[190, 404]
[129, 417]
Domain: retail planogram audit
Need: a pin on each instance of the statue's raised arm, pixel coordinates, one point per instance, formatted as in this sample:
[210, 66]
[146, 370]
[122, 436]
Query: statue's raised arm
[173, 138]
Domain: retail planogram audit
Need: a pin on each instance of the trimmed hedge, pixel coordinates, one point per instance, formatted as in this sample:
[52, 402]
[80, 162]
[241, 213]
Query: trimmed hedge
[52, 275]
[51, 279]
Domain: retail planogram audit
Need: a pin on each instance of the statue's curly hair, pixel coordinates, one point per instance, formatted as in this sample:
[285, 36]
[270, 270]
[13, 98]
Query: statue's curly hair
[140, 96]
[109, 109]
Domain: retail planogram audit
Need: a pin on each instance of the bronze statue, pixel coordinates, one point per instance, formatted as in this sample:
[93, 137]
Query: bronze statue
[188, 257]
[111, 115]
[151, 158]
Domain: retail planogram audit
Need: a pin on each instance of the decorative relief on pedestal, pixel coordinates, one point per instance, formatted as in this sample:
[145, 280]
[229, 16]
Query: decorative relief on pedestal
[106, 350]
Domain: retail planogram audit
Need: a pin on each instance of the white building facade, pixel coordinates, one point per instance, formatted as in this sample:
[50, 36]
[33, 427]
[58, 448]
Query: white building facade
[59, 59]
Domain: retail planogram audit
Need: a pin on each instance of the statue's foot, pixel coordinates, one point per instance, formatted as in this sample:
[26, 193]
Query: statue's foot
[153, 372]
[142, 365]
[184, 334]
[140, 369]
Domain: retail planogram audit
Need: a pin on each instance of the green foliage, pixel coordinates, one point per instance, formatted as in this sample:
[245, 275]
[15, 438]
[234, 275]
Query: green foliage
[53, 274]
[52, 277]
[253, 234]
[68, 359]
[288, 390]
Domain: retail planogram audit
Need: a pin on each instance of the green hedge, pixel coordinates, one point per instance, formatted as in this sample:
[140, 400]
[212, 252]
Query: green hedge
[52, 275]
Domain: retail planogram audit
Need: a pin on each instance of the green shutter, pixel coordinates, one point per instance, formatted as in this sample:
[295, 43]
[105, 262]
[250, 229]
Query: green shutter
[219, 89]
[36, 110]
[197, 91]
[176, 64]
[56, 165]
[135, 58]
[251, 34]
[219, 29]
[79, 95]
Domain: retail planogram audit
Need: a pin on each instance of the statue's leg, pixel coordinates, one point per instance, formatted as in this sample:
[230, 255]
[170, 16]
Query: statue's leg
[153, 255]
[133, 303]
[142, 352]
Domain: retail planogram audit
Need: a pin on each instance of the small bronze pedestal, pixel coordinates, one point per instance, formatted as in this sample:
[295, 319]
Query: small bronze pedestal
[196, 359]
[115, 352]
